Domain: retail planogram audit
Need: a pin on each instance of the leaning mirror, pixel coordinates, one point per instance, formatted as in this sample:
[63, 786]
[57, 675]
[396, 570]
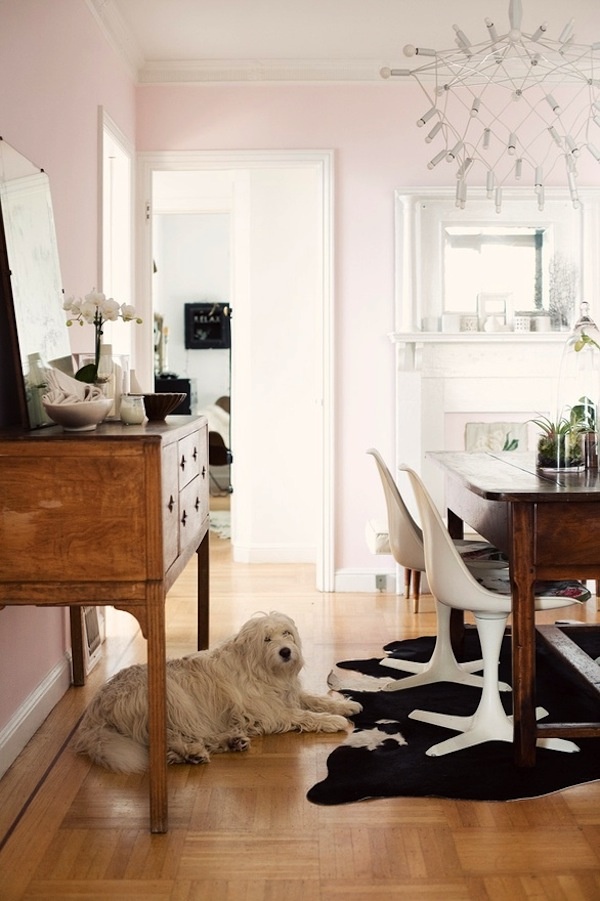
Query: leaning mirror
[30, 282]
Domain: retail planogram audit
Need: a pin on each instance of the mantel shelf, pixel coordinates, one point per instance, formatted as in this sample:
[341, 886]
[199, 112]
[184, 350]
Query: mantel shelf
[478, 337]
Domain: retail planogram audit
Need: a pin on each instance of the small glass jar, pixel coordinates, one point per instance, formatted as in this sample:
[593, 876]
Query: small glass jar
[133, 411]
[579, 384]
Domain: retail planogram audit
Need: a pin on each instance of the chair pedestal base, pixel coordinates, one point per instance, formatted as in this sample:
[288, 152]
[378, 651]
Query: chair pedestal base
[490, 722]
[442, 665]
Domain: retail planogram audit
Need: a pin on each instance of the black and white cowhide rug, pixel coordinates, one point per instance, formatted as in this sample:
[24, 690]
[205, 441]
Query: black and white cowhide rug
[385, 754]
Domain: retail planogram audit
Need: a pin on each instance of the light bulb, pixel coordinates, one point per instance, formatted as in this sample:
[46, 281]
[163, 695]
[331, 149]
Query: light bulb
[594, 151]
[498, 200]
[461, 38]
[566, 32]
[512, 143]
[433, 132]
[540, 31]
[518, 168]
[489, 183]
[492, 29]
[540, 196]
[486, 138]
[451, 155]
[555, 135]
[462, 171]
[437, 159]
[553, 104]
[385, 72]
[475, 107]
[426, 117]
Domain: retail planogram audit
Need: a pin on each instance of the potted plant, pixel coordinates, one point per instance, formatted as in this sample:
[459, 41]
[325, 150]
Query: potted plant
[559, 445]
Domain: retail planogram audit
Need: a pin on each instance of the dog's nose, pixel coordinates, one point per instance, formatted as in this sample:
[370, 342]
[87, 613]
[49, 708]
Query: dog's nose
[285, 653]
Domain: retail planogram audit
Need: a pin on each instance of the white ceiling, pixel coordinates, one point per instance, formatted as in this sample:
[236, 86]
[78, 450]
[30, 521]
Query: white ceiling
[307, 40]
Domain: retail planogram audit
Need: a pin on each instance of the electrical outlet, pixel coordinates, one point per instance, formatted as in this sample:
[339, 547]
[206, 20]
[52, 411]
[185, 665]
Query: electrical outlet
[380, 583]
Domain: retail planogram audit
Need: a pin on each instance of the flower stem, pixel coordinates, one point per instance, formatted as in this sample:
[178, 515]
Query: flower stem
[98, 328]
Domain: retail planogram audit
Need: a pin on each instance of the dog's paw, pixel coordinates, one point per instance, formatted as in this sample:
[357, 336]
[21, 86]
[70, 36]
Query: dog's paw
[238, 743]
[349, 708]
[333, 723]
[197, 758]
[192, 753]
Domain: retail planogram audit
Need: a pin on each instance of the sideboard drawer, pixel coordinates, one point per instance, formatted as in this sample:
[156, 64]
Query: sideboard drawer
[190, 457]
[170, 503]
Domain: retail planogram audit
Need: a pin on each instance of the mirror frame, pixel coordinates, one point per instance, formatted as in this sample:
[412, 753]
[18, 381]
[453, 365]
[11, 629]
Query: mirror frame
[13, 400]
[31, 311]
[415, 250]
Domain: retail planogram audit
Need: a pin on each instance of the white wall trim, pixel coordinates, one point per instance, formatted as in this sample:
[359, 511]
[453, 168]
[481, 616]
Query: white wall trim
[362, 581]
[240, 71]
[30, 715]
[150, 162]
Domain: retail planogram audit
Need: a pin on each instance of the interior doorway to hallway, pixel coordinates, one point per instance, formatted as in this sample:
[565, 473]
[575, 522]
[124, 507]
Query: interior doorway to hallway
[280, 207]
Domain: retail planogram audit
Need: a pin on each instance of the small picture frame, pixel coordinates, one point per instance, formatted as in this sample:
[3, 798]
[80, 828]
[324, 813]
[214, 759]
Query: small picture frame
[493, 305]
[207, 326]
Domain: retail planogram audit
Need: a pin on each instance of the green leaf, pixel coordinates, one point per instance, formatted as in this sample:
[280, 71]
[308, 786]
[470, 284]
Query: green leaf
[87, 374]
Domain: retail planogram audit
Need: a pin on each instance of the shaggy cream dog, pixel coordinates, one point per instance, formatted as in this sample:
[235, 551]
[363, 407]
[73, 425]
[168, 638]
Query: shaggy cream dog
[216, 699]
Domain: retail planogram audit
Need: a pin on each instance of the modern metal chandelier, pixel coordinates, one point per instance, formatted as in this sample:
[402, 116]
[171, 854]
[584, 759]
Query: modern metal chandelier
[511, 109]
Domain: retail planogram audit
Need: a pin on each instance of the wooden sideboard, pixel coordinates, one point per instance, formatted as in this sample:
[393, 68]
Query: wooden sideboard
[109, 517]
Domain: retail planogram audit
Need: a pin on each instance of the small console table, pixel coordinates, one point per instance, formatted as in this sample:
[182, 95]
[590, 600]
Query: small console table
[109, 517]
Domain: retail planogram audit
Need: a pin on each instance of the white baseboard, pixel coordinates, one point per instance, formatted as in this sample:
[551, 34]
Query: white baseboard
[33, 711]
[363, 580]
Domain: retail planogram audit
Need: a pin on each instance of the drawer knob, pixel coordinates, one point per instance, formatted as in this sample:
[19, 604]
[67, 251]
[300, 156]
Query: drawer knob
[184, 518]
[197, 504]
[171, 504]
[195, 454]
[182, 464]
[203, 472]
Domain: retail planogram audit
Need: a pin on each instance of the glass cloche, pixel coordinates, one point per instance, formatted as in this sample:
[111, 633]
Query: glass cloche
[579, 387]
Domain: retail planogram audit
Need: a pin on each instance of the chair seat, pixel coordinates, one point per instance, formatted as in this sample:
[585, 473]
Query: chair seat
[572, 591]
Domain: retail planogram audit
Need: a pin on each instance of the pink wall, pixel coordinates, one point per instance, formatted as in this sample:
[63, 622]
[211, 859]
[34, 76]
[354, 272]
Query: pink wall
[378, 149]
[56, 69]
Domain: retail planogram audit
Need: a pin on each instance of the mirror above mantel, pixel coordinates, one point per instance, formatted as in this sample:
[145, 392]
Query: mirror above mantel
[473, 270]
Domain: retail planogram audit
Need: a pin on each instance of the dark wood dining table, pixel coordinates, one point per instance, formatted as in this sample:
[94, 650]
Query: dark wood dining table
[549, 525]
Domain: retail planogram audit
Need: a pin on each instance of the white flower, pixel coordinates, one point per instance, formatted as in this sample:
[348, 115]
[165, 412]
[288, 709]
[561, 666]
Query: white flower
[96, 309]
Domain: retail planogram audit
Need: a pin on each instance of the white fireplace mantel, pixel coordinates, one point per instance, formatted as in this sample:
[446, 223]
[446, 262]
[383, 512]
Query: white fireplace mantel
[445, 380]
[412, 342]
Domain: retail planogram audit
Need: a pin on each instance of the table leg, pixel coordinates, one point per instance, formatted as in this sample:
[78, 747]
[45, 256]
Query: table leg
[157, 708]
[202, 593]
[523, 632]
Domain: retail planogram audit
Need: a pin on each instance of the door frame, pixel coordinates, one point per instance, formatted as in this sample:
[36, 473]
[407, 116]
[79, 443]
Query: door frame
[188, 160]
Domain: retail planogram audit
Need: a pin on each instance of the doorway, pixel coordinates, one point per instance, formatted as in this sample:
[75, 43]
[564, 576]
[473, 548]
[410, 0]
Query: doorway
[282, 423]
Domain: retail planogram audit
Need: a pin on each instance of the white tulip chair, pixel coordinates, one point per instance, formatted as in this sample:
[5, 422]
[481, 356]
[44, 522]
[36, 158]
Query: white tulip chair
[406, 545]
[454, 586]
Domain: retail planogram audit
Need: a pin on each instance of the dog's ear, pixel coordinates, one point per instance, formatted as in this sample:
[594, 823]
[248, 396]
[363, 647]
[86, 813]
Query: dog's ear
[249, 631]
[283, 617]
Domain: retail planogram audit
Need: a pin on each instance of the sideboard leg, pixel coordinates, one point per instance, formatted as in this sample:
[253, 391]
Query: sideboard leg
[78, 644]
[203, 592]
[157, 711]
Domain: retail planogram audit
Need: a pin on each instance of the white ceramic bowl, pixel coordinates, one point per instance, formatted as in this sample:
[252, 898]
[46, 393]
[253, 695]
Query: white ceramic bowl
[79, 417]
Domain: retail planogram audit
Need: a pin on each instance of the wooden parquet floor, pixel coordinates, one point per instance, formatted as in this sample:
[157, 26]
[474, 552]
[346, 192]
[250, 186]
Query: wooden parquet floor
[241, 828]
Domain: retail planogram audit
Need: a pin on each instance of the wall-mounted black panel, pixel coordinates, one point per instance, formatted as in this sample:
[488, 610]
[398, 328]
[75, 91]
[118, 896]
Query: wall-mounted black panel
[207, 325]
